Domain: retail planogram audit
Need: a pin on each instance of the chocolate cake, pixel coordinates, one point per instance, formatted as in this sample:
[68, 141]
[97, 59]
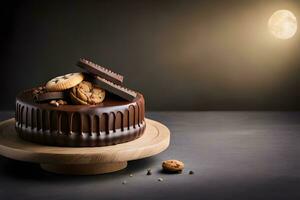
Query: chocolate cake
[110, 121]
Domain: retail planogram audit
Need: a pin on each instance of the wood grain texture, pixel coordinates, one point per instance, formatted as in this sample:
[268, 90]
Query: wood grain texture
[84, 169]
[155, 140]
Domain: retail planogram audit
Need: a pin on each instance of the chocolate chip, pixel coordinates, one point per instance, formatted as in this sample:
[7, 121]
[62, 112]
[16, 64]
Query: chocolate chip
[191, 172]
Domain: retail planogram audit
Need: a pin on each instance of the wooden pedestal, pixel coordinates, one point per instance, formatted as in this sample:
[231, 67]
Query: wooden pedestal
[83, 160]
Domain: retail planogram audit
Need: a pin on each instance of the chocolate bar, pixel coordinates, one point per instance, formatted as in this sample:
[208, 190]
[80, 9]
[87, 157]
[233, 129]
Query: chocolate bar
[100, 71]
[116, 89]
[48, 96]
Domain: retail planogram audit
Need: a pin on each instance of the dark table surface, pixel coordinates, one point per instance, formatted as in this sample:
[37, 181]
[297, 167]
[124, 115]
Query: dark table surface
[235, 155]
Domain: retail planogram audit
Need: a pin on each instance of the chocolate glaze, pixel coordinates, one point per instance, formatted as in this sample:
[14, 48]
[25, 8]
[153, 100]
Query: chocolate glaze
[112, 122]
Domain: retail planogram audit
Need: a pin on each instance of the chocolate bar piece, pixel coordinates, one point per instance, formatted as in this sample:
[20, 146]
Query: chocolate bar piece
[100, 71]
[116, 89]
[49, 96]
[40, 94]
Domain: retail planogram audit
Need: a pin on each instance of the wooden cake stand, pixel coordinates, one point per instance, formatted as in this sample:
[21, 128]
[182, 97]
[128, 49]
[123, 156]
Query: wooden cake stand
[83, 160]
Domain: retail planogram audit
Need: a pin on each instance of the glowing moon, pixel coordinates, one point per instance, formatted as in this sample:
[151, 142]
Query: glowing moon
[283, 24]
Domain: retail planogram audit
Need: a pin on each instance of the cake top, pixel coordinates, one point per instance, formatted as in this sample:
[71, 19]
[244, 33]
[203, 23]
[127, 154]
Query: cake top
[111, 102]
[92, 87]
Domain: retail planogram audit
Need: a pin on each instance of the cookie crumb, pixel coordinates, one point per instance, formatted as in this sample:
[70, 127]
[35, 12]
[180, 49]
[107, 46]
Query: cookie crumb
[191, 172]
[124, 182]
[131, 175]
[35, 92]
[62, 102]
[160, 179]
[54, 103]
[149, 172]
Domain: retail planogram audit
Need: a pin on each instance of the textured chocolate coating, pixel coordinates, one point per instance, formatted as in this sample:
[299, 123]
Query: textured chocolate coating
[112, 122]
[100, 71]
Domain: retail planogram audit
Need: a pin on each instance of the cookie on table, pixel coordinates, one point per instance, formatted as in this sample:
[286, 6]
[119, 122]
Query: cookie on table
[64, 82]
[86, 93]
[172, 165]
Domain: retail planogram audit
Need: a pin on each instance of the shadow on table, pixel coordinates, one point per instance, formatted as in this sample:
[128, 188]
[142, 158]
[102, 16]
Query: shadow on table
[31, 171]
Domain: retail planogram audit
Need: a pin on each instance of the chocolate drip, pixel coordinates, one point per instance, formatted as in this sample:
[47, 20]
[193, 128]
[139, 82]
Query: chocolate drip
[32, 118]
[112, 122]
[81, 124]
[106, 122]
[51, 128]
[98, 130]
[91, 118]
[38, 119]
[26, 117]
[133, 115]
[59, 123]
[75, 122]
[43, 121]
[138, 116]
[122, 121]
[70, 122]
[128, 119]
[119, 119]
[48, 120]
[17, 112]
[95, 125]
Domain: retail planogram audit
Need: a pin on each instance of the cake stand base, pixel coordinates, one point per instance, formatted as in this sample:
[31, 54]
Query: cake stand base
[84, 169]
[83, 160]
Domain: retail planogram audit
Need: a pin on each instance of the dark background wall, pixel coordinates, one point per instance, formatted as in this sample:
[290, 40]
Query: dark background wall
[182, 55]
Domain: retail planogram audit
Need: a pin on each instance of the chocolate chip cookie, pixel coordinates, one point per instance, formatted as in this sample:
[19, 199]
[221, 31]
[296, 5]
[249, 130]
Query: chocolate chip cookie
[64, 82]
[172, 165]
[86, 93]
